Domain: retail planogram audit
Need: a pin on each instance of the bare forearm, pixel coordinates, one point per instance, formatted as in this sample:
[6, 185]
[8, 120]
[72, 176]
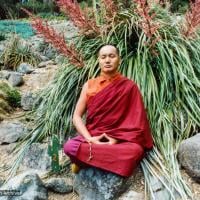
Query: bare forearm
[80, 127]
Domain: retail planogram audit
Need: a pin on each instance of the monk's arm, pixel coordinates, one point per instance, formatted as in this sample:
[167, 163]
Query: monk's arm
[79, 124]
[78, 113]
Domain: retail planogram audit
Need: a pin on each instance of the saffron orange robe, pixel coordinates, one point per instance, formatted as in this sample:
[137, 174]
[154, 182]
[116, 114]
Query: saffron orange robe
[116, 109]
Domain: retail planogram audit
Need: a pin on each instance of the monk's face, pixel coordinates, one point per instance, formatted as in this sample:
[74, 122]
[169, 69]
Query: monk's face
[108, 59]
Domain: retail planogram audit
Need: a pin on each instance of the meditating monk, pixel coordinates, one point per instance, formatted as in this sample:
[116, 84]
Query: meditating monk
[116, 134]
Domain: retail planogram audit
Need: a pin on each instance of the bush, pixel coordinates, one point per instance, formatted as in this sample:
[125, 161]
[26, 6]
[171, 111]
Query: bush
[36, 7]
[16, 53]
[9, 97]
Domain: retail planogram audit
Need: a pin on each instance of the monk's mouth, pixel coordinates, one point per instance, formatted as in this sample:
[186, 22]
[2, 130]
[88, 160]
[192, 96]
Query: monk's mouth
[108, 66]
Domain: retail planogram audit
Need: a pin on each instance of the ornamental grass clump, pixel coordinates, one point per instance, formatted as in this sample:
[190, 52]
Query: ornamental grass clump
[160, 58]
[16, 53]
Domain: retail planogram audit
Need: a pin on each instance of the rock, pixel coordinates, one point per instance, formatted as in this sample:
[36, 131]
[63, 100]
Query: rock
[36, 157]
[132, 195]
[67, 28]
[27, 186]
[4, 74]
[58, 185]
[25, 68]
[2, 47]
[15, 79]
[43, 58]
[160, 191]
[28, 100]
[44, 64]
[189, 156]
[96, 184]
[11, 131]
[59, 59]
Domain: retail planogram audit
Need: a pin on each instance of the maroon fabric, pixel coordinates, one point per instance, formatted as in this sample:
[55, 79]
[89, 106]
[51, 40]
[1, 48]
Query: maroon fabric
[118, 111]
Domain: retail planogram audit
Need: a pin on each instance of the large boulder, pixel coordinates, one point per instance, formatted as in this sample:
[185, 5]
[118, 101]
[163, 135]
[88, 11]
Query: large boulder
[25, 186]
[96, 184]
[189, 156]
[10, 132]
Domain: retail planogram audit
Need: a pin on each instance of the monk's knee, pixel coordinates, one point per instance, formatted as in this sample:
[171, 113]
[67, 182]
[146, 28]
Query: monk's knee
[139, 149]
[67, 147]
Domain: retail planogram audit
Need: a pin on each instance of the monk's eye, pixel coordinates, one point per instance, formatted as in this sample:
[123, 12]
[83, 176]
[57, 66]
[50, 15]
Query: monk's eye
[102, 57]
[112, 55]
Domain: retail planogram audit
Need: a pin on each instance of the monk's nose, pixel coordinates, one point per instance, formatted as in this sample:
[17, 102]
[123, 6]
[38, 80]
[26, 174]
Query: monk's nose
[107, 60]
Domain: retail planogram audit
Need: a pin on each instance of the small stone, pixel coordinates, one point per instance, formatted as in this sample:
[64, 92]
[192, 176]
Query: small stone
[4, 74]
[44, 64]
[25, 68]
[132, 195]
[15, 79]
[58, 185]
[28, 100]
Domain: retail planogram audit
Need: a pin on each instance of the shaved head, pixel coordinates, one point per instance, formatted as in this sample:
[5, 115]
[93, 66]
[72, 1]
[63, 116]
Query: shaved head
[108, 45]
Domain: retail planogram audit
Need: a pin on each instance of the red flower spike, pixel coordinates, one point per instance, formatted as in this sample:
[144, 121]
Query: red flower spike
[56, 39]
[78, 17]
[192, 18]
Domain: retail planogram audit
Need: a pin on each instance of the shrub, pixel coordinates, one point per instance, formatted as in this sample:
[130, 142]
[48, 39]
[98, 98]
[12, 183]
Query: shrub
[16, 53]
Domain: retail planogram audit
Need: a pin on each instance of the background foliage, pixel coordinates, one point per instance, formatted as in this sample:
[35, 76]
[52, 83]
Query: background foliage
[159, 51]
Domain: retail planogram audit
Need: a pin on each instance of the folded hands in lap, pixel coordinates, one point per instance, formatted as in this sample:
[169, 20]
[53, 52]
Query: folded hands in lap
[102, 139]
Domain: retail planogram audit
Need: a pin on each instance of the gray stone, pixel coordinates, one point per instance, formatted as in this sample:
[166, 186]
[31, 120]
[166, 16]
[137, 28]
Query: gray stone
[96, 184]
[189, 156]
[59, 59]
[28, 100]
[59, 185]
[15, 79]
[4, 74]
[36, 157]
[132, 195]
[25, 68]
[11, 131]
[43, 58]
[28, 186]
[160, 191]
[2, 47]
[44, 64]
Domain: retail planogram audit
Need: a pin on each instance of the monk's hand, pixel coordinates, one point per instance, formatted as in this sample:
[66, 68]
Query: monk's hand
[96, 139]
[111, 140]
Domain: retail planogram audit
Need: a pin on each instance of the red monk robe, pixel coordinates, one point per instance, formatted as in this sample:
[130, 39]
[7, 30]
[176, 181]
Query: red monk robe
[118, 111]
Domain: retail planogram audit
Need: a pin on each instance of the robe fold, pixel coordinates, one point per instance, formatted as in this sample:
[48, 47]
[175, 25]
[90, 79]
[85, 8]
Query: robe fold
[118, 111]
